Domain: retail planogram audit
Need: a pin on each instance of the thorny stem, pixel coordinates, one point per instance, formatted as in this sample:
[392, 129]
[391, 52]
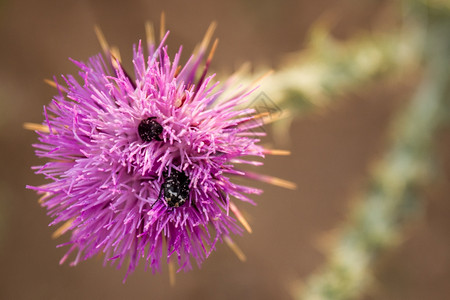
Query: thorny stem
[328, 69]
[392, 196]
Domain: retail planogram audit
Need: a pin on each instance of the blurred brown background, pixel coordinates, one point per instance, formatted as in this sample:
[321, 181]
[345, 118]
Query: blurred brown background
[332, 153]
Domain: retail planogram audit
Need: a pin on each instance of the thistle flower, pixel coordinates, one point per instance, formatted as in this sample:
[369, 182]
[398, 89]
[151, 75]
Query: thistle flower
[140, 166]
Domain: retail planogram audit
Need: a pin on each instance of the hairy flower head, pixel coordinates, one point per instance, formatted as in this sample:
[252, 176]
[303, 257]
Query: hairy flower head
[139, 165]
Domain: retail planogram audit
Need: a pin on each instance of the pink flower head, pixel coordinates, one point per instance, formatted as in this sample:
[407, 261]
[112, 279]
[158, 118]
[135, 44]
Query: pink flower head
[139, 165]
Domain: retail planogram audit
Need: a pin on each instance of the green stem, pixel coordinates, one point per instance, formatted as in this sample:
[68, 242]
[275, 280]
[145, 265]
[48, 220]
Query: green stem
[377, 221]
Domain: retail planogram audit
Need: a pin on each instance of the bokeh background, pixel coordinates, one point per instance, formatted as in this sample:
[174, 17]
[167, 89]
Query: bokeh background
[332, 152]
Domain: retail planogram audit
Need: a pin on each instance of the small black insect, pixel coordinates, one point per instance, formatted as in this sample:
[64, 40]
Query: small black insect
[150, 130]
[175, 188]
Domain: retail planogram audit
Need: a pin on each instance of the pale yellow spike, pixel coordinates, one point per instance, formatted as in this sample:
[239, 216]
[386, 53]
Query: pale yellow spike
[177, 71]
[101, 39]
[273, 117]
[260, 115]
[115, 62]
[61, 230]
[51, 83]
[35, 126]
[213, 50]
[252, 85]
[243, 69]
[261, 78]
[281, 182]
[271, 180]
[240, 217]
[150, 33]
[162, 28]
[235, 249]
[116, 53]
[172, 273]
[208, 35]
[238, 74]
[276, 152]
[41, 199]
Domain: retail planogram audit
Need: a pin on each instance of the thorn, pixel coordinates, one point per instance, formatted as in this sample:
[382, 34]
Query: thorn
[276, 152]
[261, 78]
[273, 117]
[115, 63]
[240, 255]
[43, 197]
[177, 72]
[63, 229]
[207, 38]
[212, 51]
[243, 69]
[240, 217]
[172, 273]
[150, 34]
[54, 84]
[205, 70]
[261, 115]
[255, 117]
[50, 83]
[101, 39]
[271, 180]
[36, 127]
[116, 53]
